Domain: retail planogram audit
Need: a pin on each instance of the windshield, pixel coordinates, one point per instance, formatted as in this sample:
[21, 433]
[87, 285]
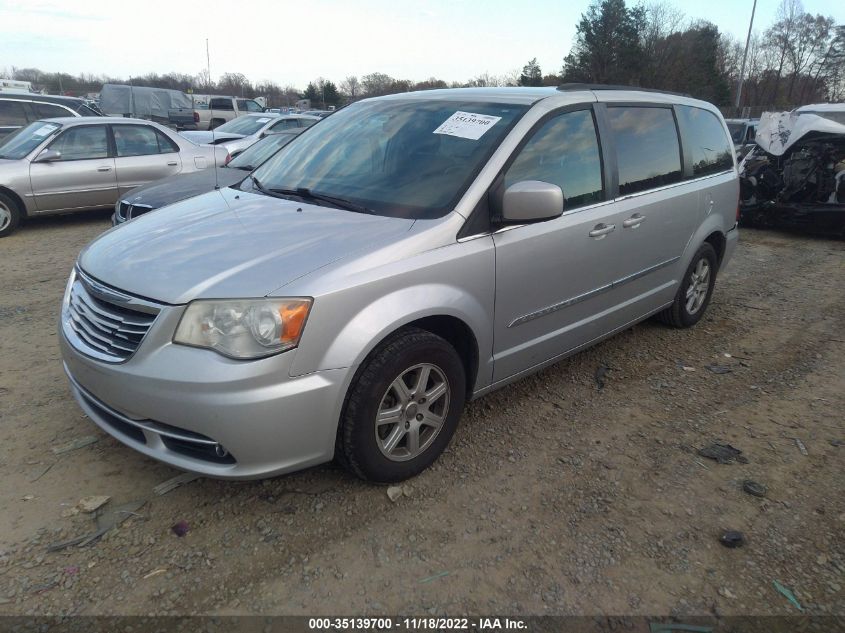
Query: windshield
[736, 130]
[245, 125]
[22, 142]
[403, 158]
[256, 154]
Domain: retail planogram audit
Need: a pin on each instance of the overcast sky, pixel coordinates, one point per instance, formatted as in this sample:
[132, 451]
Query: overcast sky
[295, 42]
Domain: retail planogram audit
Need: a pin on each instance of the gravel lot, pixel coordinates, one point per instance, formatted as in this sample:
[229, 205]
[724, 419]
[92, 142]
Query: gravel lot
[556, 497]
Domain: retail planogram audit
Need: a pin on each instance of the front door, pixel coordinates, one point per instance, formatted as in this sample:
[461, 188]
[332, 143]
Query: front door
[143, 154]
[84, 176]
[553, 278]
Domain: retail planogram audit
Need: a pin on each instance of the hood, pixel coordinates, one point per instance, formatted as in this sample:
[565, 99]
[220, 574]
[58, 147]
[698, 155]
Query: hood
[778, 131]
[172, 189]
[230, 244]
[203, 137]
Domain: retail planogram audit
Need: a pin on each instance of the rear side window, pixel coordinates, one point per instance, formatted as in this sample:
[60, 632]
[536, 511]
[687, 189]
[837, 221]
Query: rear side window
[50, 111]
[284, 124]
[306, 122]
[221, 104]
[12, 113]
[249, 105]
[706, 141]
[140, 140]
[647, 150]
[564, 152]
[165, 145]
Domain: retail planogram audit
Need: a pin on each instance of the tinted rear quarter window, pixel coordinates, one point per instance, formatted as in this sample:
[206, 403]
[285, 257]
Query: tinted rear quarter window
[221, 104]
[50, 111]
[704, 138]
[648, 153]
[12, 113]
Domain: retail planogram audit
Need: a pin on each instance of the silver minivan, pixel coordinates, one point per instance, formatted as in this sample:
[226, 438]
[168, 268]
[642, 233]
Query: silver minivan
[408, 254]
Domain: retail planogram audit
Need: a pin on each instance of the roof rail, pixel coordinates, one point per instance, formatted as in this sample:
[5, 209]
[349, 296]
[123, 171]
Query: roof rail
[577, 86]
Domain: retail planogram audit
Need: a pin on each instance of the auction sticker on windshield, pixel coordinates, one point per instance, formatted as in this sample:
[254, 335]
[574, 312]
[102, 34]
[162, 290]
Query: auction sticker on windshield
[467, 125]
[44, 130]
[264, 120]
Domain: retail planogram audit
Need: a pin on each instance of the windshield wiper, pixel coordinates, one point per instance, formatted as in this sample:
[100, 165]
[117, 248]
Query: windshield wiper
[262, 189]
[307, 194]
[242, 167]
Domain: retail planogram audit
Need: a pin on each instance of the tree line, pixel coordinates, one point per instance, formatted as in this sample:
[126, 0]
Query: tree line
[798, 58]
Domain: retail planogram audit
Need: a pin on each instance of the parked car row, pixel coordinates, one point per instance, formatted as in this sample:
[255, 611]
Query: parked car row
[346, 297]
[161, 193]
[240, 133]
[60, 165]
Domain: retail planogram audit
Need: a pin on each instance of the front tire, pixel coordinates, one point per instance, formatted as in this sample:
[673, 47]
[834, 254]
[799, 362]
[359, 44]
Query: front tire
[402, 408]
[10, 215]
[695, 291]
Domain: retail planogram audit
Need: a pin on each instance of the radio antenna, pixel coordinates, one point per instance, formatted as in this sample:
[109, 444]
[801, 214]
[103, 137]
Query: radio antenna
[211, 116]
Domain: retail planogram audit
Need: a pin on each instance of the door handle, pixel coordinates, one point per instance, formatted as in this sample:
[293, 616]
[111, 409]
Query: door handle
[172, 164]
[601, 230]
[634, 221]
[103, 168]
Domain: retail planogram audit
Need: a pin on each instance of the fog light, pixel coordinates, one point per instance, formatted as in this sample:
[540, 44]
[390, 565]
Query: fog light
[220, 451]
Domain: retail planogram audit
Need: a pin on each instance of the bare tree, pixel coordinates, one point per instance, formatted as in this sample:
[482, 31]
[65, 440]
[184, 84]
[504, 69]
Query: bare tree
[812, 39]
[781, 36]
[351, 87]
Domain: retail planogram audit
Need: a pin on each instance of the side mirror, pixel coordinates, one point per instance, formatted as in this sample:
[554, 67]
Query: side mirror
[532, 200]
[48, 156]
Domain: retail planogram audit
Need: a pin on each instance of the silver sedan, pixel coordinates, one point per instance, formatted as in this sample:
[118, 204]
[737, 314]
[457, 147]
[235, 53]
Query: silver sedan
[71, 164]
[240, 133]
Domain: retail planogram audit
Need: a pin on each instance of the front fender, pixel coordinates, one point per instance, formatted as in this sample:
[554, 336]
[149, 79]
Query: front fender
[456, 281]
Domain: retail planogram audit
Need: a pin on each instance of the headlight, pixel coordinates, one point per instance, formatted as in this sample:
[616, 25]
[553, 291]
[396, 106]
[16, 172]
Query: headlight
[244, 328]
[68, 287]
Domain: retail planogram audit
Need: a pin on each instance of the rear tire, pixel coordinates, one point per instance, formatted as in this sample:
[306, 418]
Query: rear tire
[10, 215]
[695, 290]
[392, 426]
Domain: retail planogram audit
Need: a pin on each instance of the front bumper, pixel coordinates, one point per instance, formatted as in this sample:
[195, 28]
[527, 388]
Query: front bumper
[198, 411]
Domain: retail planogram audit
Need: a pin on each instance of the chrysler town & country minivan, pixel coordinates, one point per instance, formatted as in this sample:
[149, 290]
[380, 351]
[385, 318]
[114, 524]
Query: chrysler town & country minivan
[408, 254]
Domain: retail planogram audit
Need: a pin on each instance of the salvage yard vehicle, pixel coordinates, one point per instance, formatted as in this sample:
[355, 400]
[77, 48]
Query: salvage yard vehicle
[405, 255]
[795, 178]
[743, 132]
[172, 189]
[20, 109]
[65, 165]
[239, 134]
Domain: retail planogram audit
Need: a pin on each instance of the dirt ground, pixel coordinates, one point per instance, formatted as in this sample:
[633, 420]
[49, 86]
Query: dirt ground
[556, 497]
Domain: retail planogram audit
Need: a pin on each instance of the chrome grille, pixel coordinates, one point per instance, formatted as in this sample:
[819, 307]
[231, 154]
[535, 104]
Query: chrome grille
[127, 211]
[102, 322]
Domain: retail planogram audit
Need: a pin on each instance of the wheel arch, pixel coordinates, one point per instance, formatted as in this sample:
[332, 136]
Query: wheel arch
[459, 335]
[458, 317]
[719, 242]
[15, 198]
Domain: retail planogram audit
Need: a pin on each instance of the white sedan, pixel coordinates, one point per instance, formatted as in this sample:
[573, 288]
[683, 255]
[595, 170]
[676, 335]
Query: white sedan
[238, 134]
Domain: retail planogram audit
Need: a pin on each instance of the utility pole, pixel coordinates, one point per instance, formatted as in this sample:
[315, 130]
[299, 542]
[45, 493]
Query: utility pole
[744, 56]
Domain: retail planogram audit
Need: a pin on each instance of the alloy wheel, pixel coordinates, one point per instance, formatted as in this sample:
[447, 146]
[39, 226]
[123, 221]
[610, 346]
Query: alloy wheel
[412, 412]
[699, 285]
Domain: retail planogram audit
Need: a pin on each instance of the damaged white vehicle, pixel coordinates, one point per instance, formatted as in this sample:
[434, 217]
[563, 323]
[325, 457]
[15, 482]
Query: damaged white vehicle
[795, 177]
